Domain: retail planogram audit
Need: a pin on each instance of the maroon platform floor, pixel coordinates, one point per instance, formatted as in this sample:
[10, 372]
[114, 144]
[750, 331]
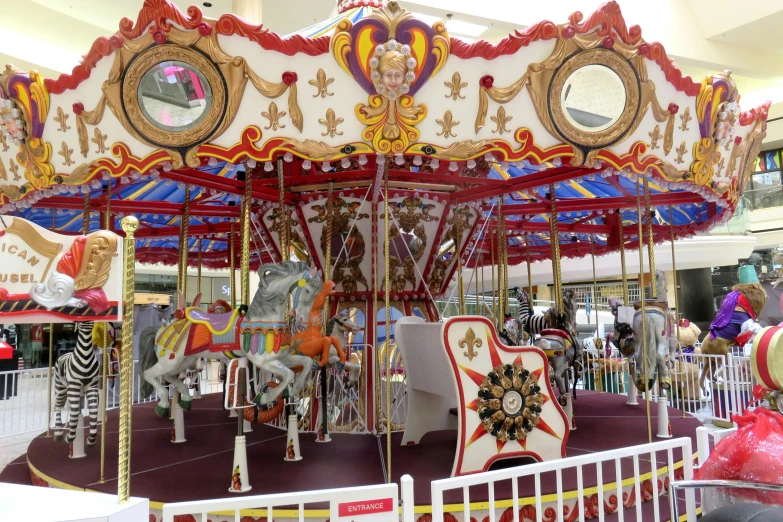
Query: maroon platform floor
[200, 468]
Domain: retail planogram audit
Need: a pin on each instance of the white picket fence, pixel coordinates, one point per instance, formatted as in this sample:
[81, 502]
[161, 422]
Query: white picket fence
[727, 388]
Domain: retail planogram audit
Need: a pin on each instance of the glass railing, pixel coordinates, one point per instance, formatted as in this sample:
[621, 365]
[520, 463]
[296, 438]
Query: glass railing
[767, 197]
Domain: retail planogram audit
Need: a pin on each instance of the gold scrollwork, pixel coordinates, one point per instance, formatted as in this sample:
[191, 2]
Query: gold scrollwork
[447, 125]
[463, 149]
[499, 95]
[685, 117]
[322, 83]
[66, 153]
[62, 119]
[35, 156]
[470, 342]
[84, 139]
[390, 125]
[456, 85]
[317, 150]
[99, 248]
[273, 115]
[500, 121]
[331, 122]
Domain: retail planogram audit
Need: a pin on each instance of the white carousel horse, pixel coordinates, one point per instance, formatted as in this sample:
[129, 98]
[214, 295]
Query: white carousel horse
[177, 346]
[659, 324]
[561, 345]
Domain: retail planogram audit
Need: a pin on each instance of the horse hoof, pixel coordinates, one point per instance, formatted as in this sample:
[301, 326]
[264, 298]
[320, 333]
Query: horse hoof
[70, 439]
[58, 437]
[340, 366]
[90, 442]
[160, 411]
[666, 386]
[185, 405]
[316, 365]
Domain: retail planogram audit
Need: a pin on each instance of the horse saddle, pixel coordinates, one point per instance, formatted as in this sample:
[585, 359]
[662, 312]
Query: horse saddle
[217, 324]
[561, 336]
[663, 305]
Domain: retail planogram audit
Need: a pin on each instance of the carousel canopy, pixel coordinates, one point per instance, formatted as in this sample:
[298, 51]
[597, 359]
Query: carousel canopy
[573, 113]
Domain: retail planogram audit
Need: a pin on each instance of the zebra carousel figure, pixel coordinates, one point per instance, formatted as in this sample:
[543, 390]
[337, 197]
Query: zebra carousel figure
[76, 374]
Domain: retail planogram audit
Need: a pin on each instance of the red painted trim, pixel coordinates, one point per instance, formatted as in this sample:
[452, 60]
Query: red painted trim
[455, 368]
[762, 363]
[508, 45]
[101, 47]
[230, 24]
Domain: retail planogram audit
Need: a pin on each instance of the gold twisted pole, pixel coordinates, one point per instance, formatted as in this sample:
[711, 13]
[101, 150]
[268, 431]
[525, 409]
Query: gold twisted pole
[387, 304]
[554, 239]
[130, 225]
[232, 272]
[622, 259]
[86, 214]
[595, 284]
[650, 242]
[645, 364]
[504, 243]
[105, 354]
[492, 264]
[529, 268]
[676, 297]
[185, 232]
[245, 266]
[51, 354]
[458, 253]
[283, 234]
[501, 315]
[328, 254]
[377, 355]
[198, 267]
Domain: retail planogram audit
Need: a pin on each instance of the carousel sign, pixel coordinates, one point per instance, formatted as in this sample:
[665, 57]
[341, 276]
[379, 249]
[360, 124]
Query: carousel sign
[51, 277]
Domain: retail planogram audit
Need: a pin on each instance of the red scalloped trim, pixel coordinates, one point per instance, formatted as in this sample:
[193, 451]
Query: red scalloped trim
[103, 46]
[529, 150]
[762, 112]
[230, 24]
[606, 18]
[127, 162]
[673, 74]
[158, 13]
[512, 43]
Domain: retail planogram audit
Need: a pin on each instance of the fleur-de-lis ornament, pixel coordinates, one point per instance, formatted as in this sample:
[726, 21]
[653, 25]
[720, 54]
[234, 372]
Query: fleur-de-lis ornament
[3, 174]
[655, 135]
[470, 343]
[500, 120]
[15, 170]
[274, 117]
[62, 119]
[100, 141]
[456, 85]
[685, 117]
[720, 166]
[681, 150]
[447, 125]
[65, 152]
[3, 142]
[322, 83]
[331, 122]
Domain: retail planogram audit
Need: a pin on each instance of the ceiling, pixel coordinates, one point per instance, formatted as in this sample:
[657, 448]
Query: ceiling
[702, 36]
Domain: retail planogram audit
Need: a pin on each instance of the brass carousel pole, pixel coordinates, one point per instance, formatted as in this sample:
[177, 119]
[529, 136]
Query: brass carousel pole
[232, 270]
[529, 269]
[198, 267]
[492, 264]
[650, 243]
[323, 406]
[676, 298]
[458, 253]
[643, 315]
[283, 230]
[105, 355]
[595, 285]
[505, 269]
[501, 311]
[184, 229]
[387, 303]
[622, 259]
[49, 378]
[554, 239]
[130, 225]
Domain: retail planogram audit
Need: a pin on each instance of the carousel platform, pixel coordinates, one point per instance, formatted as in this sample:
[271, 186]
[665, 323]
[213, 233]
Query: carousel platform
[200, 468]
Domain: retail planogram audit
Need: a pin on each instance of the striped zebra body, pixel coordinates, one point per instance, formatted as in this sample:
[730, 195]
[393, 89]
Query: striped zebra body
[531, 322]
[75, 373]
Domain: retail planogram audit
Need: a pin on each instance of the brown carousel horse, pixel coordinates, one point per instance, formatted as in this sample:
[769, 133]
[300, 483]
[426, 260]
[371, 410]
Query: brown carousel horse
[311, 341]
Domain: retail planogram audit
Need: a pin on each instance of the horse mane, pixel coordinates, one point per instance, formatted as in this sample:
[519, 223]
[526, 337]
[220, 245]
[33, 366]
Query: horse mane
[754, 293]
[330, 325]
[263, 303]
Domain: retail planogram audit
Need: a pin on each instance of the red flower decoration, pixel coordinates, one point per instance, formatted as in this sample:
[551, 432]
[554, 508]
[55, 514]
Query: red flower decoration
[487, 81]
[737, 140]
[78, 108]
[673, 108]
[116, 41]
[289, 77]
[608, 42]
[159, 37]
[569, 31]
[204, 29]
[644, 49]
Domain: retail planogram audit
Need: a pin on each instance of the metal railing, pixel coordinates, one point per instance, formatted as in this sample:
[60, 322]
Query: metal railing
[577, 467]
[383, 497]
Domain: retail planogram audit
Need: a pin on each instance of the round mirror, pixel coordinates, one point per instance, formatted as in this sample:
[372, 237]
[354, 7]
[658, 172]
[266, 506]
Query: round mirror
[593, 98]
[174, 96]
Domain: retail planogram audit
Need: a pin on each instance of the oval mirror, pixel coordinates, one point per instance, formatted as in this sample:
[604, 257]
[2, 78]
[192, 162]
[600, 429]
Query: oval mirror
[174, 96]
[593, 98]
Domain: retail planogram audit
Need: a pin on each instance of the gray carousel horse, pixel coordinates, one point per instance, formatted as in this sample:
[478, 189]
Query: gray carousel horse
[265, 327]
[658, 324]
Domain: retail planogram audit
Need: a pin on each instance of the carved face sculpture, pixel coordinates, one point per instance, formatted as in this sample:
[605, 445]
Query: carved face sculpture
[392, 74]
[392, 68]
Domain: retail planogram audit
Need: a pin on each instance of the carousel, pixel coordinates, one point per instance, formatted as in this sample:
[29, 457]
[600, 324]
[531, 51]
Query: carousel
[363, 171]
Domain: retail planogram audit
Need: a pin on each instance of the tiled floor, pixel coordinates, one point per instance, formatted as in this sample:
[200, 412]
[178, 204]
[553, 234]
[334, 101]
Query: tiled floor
[13, 447]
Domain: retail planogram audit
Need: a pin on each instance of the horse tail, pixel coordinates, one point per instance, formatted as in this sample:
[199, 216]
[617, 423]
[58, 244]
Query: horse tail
[147, 357]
